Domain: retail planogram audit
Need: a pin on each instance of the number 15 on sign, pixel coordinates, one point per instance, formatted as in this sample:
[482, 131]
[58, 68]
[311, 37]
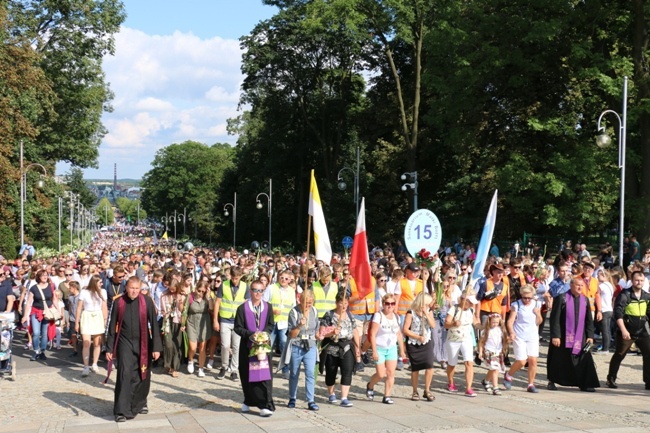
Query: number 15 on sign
[422, 231]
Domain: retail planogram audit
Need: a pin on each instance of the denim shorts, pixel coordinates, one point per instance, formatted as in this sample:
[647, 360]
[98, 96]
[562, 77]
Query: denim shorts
[387, 354]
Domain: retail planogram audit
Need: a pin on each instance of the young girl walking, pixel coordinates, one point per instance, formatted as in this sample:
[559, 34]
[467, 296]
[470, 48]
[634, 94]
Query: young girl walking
[491, 347]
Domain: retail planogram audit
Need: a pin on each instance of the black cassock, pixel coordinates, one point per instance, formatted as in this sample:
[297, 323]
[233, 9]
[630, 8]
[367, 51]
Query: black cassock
[131, 390]
[563, 367]
[256, 394]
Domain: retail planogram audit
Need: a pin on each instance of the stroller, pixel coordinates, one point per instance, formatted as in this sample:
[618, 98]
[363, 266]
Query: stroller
[7, 364]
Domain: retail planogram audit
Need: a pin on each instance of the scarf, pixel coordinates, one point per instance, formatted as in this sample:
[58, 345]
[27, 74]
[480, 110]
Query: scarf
[574, 330]
[254, 323]
[144, 340]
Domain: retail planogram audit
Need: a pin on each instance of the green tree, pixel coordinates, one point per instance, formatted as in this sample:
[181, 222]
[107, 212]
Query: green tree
[77, 184]
[104, 212]
[185, 175]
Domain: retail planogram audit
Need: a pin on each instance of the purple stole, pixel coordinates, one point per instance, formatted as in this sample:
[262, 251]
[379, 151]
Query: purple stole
[258, 371]
[144, 340]
[574, 333]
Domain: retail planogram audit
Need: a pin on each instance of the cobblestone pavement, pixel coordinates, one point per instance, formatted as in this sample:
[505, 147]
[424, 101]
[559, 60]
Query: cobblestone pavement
[54, 398]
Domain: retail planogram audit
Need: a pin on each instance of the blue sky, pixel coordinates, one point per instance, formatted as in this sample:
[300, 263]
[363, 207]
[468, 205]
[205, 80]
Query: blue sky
[175, 75]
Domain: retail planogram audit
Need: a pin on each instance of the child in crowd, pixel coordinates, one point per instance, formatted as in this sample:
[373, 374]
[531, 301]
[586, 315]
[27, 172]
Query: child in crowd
[491, 347]
[73, 299]
[60, 324]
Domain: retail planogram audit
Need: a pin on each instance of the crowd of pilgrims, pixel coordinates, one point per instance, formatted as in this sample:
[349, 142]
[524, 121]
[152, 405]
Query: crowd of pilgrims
[210, 305]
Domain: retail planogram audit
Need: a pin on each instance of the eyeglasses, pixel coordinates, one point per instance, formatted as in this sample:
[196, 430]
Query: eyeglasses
[285, 278]
[463, 269]
[217, 281]
[257, 290]
[535, 267]
[119, 276]
[517, 267]
[69, 275]
[389, 304]
[200, 291]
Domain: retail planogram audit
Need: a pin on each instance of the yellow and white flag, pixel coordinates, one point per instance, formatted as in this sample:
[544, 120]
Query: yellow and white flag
[321, 238]
[164, 236]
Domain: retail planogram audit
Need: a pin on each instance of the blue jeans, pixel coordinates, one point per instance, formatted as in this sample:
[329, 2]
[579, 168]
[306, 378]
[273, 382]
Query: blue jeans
[282, 335]
[39, 333]
[308, 358]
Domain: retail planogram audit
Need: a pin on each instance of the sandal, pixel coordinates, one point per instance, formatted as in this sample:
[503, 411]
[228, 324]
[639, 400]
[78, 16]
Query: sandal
[415, 396]
[496, 391]
[387, 400]
[428, 396]
[174, 373]
[370, 393]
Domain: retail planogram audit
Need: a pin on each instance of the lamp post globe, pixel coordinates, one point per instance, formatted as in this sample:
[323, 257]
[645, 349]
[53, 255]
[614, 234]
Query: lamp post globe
[259, 205]
[40, 184]
[226, 213]
[603, 140]
[342, 185]
[404, 187]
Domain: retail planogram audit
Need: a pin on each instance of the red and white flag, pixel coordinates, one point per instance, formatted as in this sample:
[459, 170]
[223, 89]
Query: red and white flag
[359, 259]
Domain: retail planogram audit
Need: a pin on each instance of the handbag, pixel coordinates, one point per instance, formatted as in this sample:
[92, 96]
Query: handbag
[49, 313]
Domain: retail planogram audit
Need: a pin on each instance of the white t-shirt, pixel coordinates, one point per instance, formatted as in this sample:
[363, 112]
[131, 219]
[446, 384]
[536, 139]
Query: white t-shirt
[525, 326]
[387, 333]
[494, 341]
[90, 302]
[394, 288]
[606, 294]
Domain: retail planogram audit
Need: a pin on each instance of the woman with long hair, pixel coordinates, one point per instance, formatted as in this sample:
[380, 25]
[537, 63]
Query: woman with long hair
[197, 322]
[91, 318]
[172, 302]
[418, 324]
[448, 298]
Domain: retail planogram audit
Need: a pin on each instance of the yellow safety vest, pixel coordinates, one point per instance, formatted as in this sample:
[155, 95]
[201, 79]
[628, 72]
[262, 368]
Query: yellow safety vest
[285, 304]
[592, 291]
[407, 296]
[228, 306]
[366, 305]
[322, 302]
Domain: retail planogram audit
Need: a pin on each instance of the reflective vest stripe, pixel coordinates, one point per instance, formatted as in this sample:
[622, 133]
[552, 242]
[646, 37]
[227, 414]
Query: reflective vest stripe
[407, 296]
[276, 302]
[359, 307]
[322, 302]
[494, 305]
[228, 306]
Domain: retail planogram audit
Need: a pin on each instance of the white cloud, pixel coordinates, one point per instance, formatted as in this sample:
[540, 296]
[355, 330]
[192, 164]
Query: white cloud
[168, 89]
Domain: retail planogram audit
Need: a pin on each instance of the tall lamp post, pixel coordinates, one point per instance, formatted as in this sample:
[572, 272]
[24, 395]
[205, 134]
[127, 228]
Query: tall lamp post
[342, 184]
[259, 205]
[233, 207]
[60, 212]
[413, 185]
[23, 189]
[72, 196]
[165, 220]
[603, 140]
[183, 217]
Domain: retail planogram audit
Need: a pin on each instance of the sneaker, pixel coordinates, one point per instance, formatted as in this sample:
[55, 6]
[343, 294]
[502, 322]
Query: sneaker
[201, 373]
[209, 365]
[470, 393]
[285, 375]
[400, 364]
[451, 387]
[85, 372]
[358, 367]
[42, 356]
[94, 368]
[245, 408]
[332, 399]
[28, 346]
[370, 393]
[531, 388]
[234, 376]
[190, 367]
[292, 403]
[551, 386]
[346, 403]
[221, 374]
[365, 358]
[387, 400]
[266, 413]
[507, 381]
[611, 382]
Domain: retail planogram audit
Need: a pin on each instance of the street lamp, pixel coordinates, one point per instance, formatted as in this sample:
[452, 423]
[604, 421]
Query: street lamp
[23, 190]
[413, 185]
[72, 196]
[60, 212]
[233, 206]
[269, 197]
[182, 217]
[165, 220]
[342, 185]
[603, 140]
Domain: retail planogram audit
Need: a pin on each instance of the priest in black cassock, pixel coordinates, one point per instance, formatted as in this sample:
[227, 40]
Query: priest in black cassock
[251, 317]
[133, 340]
[570, 362]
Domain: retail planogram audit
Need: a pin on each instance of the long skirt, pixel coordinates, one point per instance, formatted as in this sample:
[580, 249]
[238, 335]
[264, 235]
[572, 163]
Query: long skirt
[439, 338]
[173, 347]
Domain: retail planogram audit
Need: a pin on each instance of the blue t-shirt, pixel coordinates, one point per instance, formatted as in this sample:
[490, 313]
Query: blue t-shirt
[5, 290]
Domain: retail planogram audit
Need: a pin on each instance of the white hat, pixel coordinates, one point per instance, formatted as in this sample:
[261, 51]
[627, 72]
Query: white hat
[245, 252]
[472, 299]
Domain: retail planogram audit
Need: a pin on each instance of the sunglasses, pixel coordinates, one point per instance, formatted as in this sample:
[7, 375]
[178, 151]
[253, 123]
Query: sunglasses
[526, 298]
[69, 275]
[389, 304]
[257, 290]
[217, 281]
[383, 280]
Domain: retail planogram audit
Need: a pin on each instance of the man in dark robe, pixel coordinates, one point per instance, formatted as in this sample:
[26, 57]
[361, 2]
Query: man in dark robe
[133, 341]
[255, 316]
[570, 362]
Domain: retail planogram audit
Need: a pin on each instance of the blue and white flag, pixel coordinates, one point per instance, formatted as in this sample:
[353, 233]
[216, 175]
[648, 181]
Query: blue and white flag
[486, 240]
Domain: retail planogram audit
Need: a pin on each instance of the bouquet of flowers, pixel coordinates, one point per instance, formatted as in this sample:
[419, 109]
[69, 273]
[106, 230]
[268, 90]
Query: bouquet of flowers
[261, 345]
[424, 258]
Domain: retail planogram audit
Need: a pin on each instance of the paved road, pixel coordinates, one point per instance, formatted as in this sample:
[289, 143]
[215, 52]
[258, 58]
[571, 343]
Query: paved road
[52, 397]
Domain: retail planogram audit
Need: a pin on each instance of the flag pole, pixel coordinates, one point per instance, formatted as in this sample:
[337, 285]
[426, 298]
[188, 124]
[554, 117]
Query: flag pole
[308, 233]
